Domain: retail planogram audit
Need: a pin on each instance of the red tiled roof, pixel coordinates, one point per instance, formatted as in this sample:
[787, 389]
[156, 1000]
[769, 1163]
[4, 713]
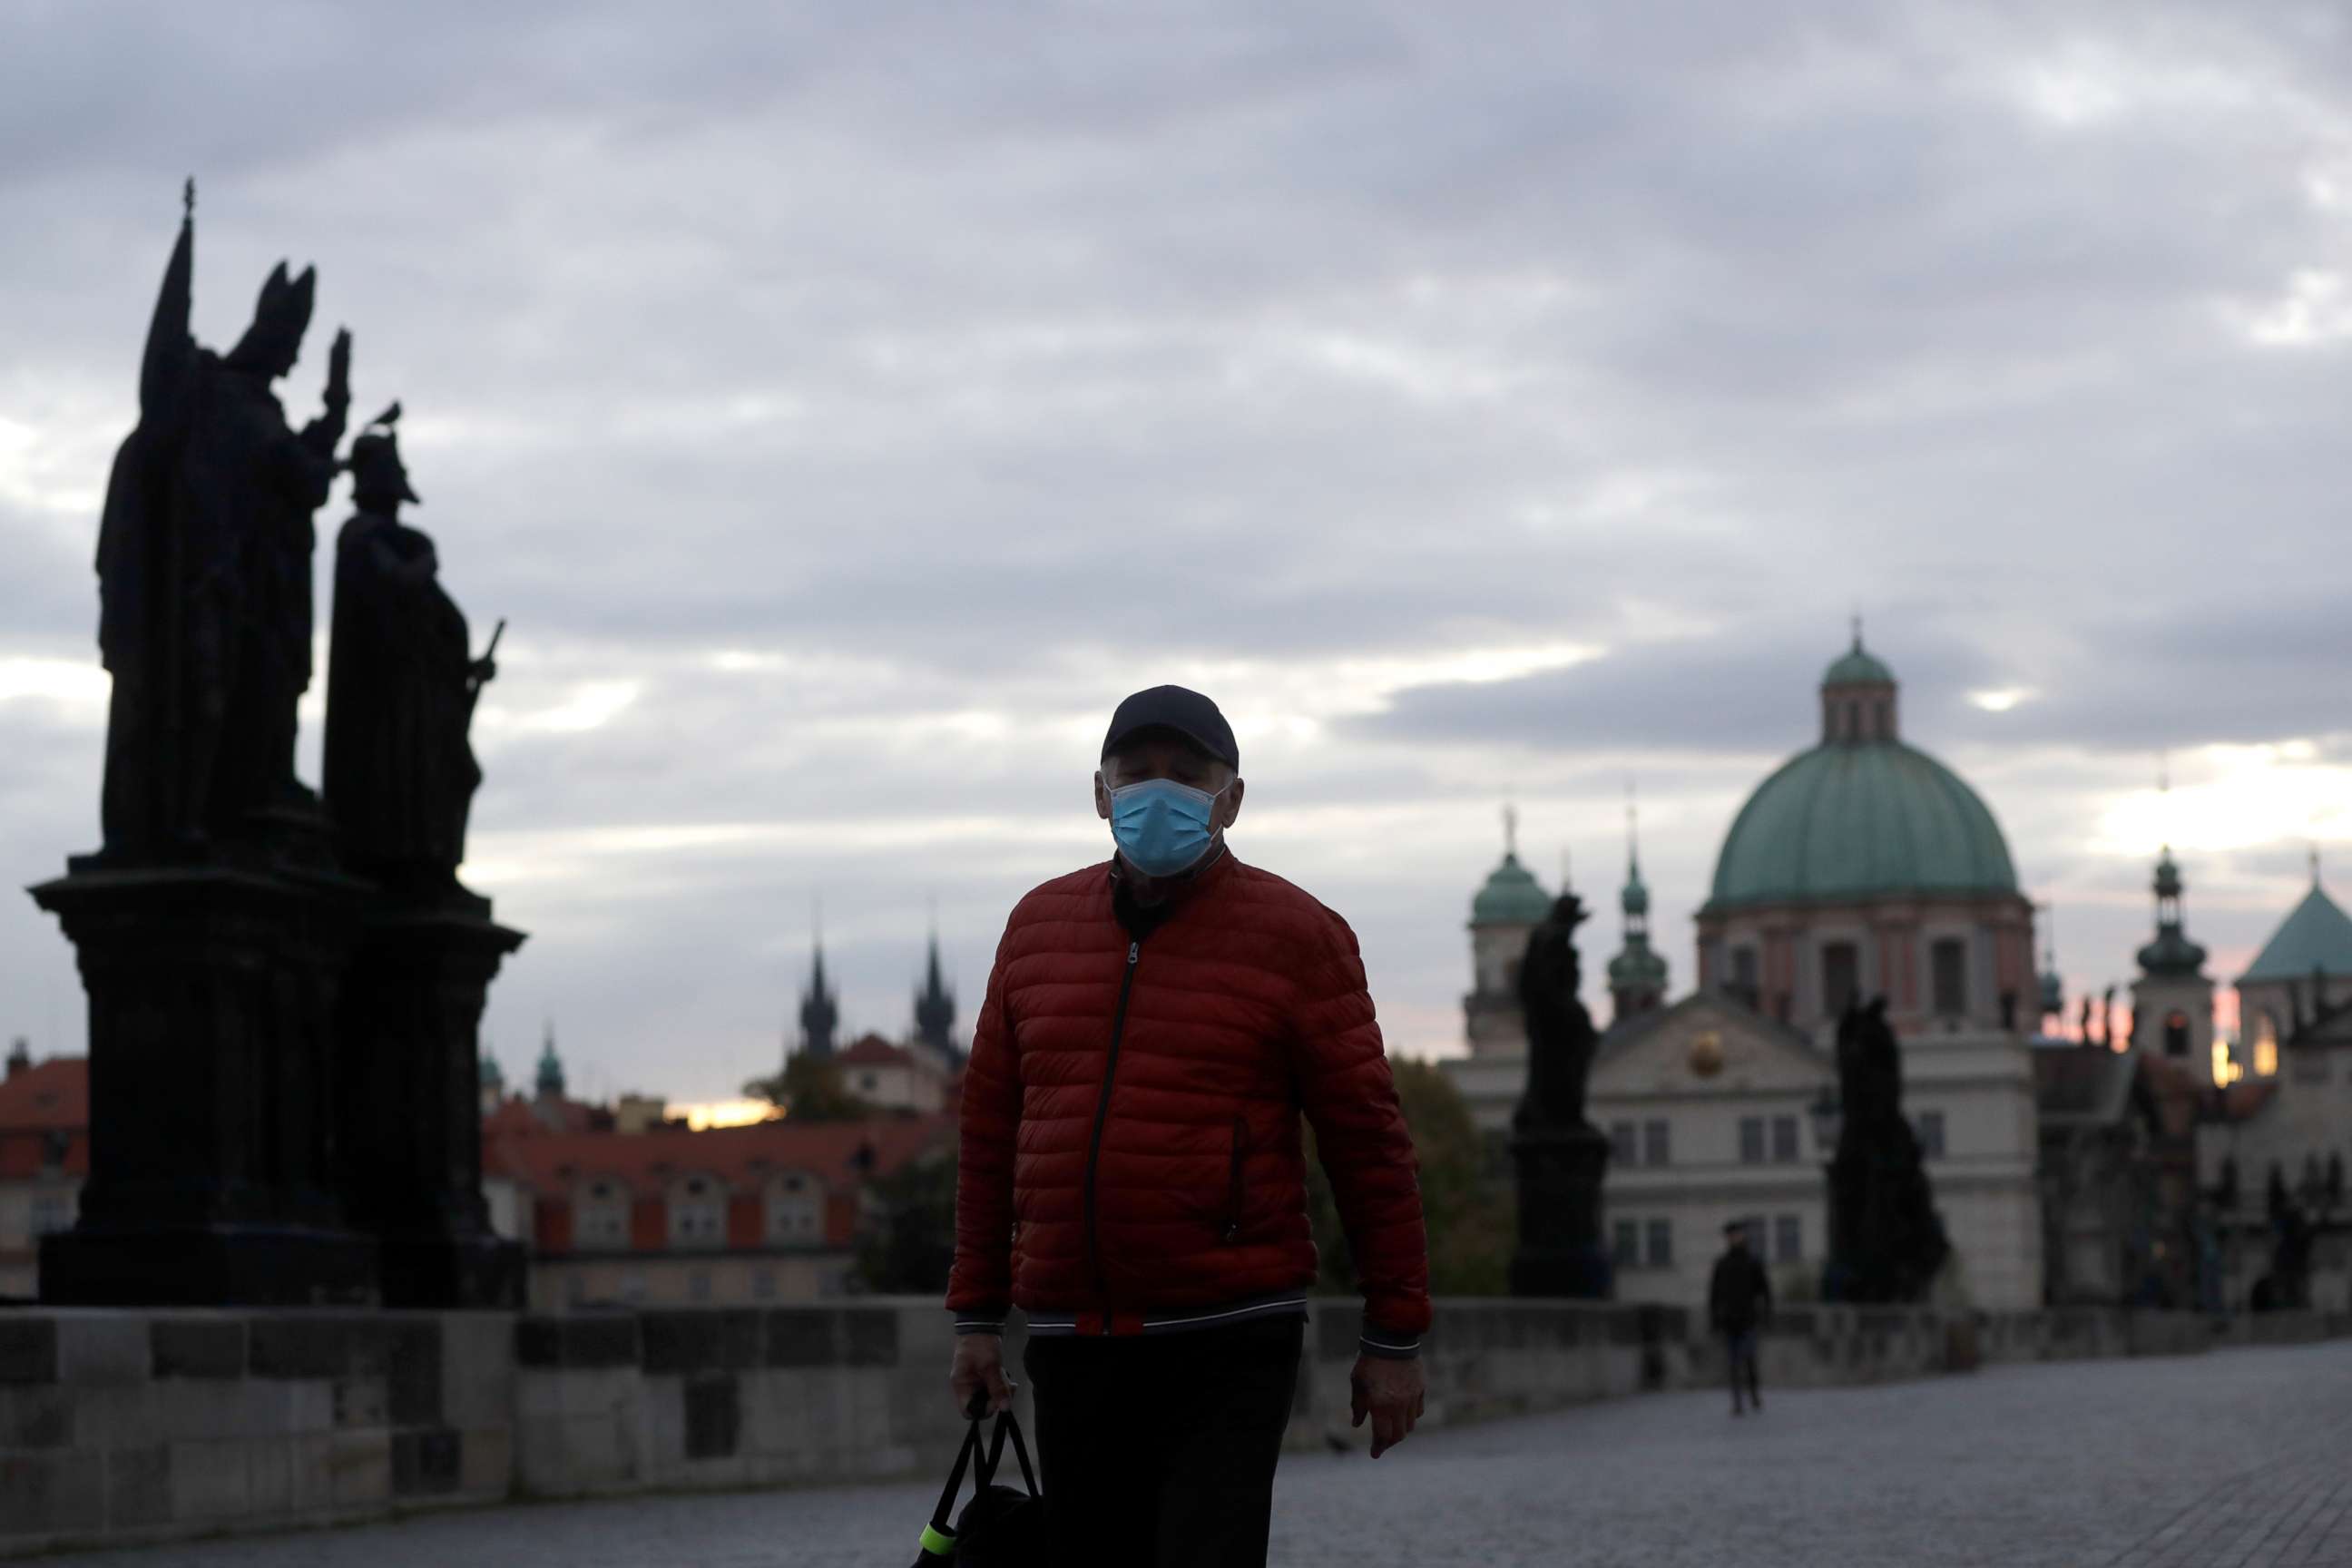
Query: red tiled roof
[519, 1115]
[54, 1093]
[551, 1161]
[874, 1051]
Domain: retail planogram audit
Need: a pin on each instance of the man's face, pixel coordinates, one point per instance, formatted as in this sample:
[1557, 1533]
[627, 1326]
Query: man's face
[1160, 756]
[1739, 1241]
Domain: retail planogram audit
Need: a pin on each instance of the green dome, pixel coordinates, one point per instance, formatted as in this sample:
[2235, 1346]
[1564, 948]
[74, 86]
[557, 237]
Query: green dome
[1859, 820]
[1636, 899]
[1856, 668]
[1511, 897]
[1637, 968]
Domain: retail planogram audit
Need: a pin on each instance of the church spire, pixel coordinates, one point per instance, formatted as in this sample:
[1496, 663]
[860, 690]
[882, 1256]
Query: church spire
[935, 1008]
[2053, 986]
[549, 1080]
[820, 1010]
[1637, 976]
[2171, 953]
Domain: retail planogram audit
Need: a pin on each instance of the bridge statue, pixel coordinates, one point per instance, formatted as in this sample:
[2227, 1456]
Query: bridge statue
[1560, 1157]
[283, 1023]
[204, 568]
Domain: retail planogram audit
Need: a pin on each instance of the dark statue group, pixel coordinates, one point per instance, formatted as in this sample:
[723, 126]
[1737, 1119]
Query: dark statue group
[284, 985]
[1886, 1241]
[1560, 1157]
[206, 621]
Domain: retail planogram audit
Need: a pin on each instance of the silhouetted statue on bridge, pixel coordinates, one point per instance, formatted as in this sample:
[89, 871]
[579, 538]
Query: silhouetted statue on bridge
[1886, 1241]
[402, 681]
[1560, 1157]
[204, 566]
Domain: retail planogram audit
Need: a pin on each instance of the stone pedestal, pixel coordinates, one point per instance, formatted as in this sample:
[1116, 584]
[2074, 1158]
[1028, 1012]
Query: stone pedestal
[214, 1167]
[1560, 1251]
[408, 1105]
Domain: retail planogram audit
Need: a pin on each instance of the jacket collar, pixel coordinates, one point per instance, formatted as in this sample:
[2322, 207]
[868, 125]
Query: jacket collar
[1141, 919]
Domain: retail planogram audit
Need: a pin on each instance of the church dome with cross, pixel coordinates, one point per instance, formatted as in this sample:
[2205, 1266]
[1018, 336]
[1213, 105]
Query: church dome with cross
[1861, 815]
[1863, 866]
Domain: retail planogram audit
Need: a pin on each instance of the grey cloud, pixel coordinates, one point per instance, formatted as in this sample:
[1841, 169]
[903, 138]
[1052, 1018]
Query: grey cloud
[1012, 357]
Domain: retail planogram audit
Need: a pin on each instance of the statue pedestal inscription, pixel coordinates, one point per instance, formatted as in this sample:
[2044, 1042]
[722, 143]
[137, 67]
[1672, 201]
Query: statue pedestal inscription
[213, 1161]
[408, 1088]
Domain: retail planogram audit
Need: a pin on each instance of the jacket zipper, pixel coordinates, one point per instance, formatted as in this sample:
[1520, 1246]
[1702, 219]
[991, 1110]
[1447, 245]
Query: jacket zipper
[1102, 1114]
[1233, 1194]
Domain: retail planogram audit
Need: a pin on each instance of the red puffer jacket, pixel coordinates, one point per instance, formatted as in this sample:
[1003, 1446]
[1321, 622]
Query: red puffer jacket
[1130, 1120]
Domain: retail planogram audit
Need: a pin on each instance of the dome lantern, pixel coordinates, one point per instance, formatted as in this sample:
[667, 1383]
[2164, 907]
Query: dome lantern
[1511, 895]
[1858, 697]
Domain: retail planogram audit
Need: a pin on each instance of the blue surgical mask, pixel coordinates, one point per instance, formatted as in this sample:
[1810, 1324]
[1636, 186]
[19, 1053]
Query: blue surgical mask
[1163, 828]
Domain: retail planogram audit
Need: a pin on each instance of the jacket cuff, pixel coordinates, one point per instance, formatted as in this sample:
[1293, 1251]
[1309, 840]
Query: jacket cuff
[1380, 1342]
[980, 1322]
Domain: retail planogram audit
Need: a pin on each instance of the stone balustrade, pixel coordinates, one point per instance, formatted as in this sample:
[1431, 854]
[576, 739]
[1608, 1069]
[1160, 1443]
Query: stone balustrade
[120, 1425]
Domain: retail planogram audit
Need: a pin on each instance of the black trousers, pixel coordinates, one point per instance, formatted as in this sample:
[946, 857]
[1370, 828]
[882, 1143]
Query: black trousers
[1159, 1450]
[1740, 1350]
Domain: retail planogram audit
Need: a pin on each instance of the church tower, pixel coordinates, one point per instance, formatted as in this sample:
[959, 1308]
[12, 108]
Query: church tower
[493, 1081]
[1637, 976]
[2172, 1000]
[549, 1080]
[2053, 999]
[820, 1012]
[1511, 904]
[935, 1011]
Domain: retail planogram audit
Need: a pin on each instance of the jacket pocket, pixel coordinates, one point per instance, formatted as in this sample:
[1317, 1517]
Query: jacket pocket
[1232, 1229]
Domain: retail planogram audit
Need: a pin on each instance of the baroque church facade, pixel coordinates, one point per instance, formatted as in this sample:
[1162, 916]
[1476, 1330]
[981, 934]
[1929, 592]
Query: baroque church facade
[1862, 867]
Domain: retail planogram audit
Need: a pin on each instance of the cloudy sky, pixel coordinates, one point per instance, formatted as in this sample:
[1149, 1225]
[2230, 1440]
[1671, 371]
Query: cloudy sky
[845, 405]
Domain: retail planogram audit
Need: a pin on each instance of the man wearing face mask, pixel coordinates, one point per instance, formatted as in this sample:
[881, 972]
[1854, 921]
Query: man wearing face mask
[1132, 1173]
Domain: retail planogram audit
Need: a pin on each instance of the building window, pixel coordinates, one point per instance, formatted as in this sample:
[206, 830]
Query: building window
[1662, 1244]
[632, 1287]
[868, 1082]
[1929, 1125]
[763, 1285]
[1949, 958]
[2176, 1033]
[1787, 1238]
[604, 1217]
[1656, 1150]
[1621, 1147]
[698, 1284]
[698, 1216]
[575, 1291]
[1751, 1140]
[2266, 1044]
[52, 1212]
[1625, 1244]
[1841, 976]
[1743, 975]
[796, 1213]
[1784, 1140]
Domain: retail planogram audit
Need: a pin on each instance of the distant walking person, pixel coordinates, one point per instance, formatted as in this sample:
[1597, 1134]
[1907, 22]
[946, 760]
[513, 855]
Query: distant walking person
[1739, 1299]
[1130, 1172]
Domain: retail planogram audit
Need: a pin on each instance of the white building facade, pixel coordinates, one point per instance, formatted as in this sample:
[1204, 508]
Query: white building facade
[1862, 867]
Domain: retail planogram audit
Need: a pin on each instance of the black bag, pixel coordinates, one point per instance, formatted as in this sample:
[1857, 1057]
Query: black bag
[999, 1528]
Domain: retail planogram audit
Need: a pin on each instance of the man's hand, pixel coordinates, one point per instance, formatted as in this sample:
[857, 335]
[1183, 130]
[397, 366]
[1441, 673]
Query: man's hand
[979, 1368]
[1390, 1391]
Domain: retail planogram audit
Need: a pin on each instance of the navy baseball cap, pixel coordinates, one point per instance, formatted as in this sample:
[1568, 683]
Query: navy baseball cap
[1174, 707]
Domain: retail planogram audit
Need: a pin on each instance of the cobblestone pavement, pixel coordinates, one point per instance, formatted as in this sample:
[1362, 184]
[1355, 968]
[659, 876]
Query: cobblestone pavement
[2235, 1460]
